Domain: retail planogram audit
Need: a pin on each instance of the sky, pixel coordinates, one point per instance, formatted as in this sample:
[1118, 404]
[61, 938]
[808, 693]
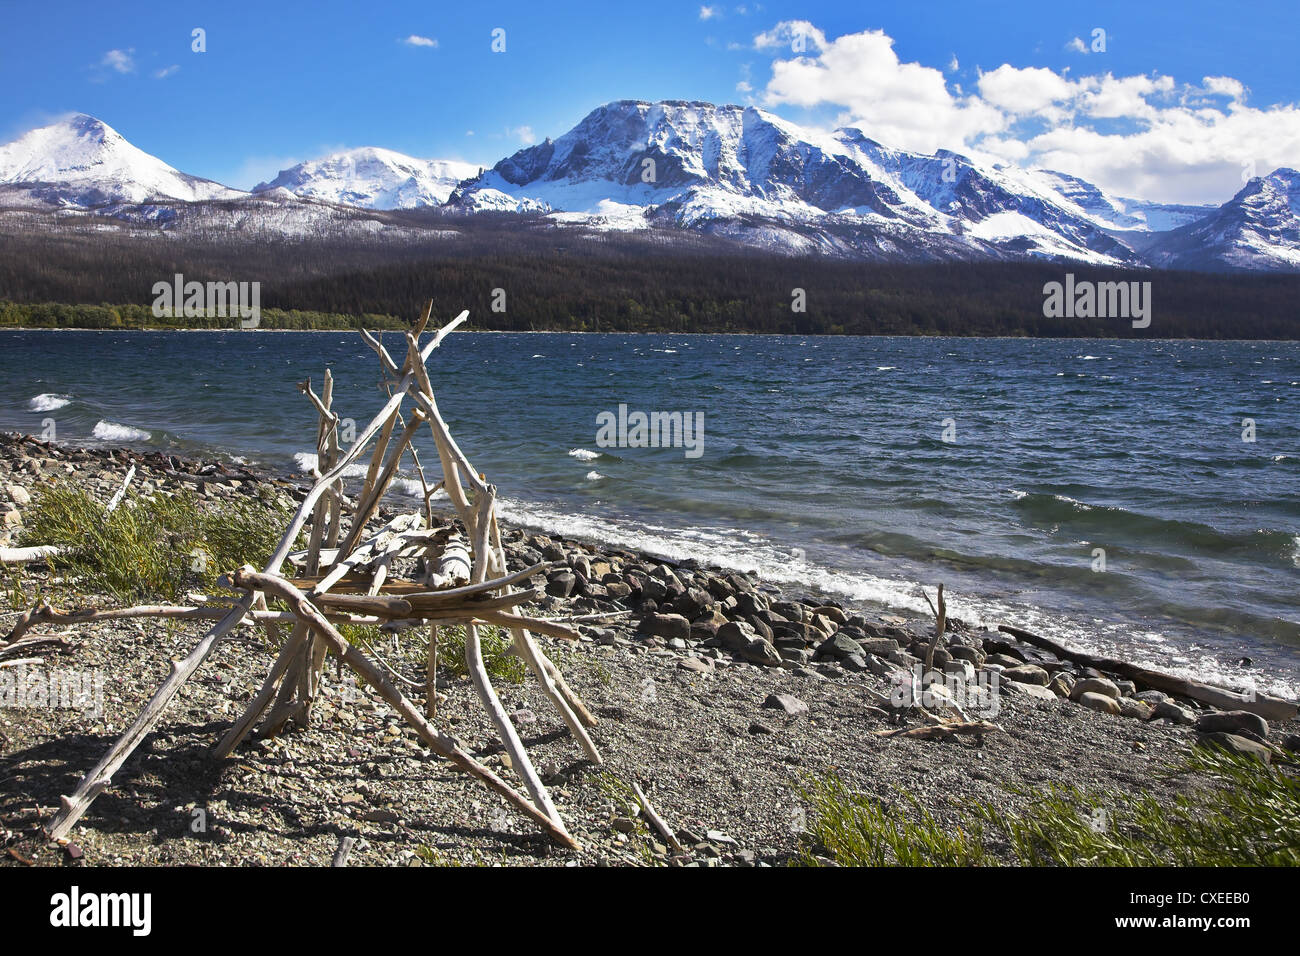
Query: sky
[1176, 102]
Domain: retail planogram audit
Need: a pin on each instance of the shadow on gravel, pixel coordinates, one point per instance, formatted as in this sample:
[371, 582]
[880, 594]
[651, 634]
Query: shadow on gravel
[156, 791]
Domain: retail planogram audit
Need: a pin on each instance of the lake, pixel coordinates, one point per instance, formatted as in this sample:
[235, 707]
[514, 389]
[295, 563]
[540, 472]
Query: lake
[1139, 497]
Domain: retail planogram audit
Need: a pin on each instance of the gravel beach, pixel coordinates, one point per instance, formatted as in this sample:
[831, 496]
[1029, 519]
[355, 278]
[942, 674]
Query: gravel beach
[719, 695]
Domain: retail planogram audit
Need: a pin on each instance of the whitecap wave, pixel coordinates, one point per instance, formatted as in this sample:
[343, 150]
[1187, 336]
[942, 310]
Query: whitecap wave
[48, 402]
[115, 431]
[307, 462]
[736, 549]
[594, 476]
[583, 454]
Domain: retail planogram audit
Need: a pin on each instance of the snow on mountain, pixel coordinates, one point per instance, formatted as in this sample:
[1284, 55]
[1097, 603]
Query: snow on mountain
[81, 161]
[759, 178]
[726, 172]
[374, 178]
[1111, 212]
[1258, 229]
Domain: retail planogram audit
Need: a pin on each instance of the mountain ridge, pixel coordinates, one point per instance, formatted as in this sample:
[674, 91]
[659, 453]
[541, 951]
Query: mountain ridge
[734, 172]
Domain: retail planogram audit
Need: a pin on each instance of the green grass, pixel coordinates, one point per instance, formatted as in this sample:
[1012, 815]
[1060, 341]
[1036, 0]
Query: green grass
[853, 829]
[503, 667]
[151, 547]
[1247, 815]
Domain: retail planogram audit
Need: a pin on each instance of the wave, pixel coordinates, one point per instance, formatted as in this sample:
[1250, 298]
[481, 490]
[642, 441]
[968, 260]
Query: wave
[114, 432]
[307, 462]
[583, 454]
[48, 402]
[741, 550]
[595, 476]
[1099, 521]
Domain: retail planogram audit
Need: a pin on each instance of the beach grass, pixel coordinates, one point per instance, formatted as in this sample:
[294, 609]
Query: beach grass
[1239, 813]
[153, 546]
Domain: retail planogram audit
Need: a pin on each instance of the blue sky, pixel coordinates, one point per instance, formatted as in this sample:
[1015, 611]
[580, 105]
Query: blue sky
[283, 82]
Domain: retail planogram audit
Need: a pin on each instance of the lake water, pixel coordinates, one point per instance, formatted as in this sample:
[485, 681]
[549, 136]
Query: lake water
[858, 466]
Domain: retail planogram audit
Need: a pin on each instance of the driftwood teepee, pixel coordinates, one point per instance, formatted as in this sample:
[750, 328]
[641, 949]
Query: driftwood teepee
[343, 576]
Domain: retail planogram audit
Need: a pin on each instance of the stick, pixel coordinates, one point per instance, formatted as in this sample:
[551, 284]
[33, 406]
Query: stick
[942, 731]
[117, 498]
[431, 675]
[248, 579]
[341, 854]
[101, 776]
[655, 820]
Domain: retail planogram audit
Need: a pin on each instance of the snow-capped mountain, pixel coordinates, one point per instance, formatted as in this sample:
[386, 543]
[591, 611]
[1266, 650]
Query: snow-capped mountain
[729, 173]
[749, 174]
[374, 178]
[1258, 229]
[82, 161]
[1110, 212]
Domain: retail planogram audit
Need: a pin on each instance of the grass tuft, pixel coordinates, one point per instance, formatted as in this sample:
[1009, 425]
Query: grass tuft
[151, 547]
[1248, 815]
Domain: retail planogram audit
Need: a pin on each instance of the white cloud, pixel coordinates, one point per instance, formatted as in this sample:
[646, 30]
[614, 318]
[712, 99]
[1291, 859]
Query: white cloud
[1076, 45]
[744, 87]
[708, 13]
[799, 36]
[524, 134]
[953, 65]
[902, 104]
[1141, 135]
[165, 72]
[416, 40]
[1224, 86]
[123, 61]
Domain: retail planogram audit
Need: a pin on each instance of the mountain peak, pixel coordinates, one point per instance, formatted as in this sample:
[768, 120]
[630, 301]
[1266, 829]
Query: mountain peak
[373, 178]
[80, 160]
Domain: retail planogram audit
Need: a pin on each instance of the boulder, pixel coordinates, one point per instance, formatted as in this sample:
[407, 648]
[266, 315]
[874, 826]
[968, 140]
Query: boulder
[667, 626]
[561, 583]
[786, 702]
[1237, 745]
[1095, 685]
[1026, 674]
[1175, 713]
[1232, 722]
[1132, 707]
[1100, 702]
[838, 647]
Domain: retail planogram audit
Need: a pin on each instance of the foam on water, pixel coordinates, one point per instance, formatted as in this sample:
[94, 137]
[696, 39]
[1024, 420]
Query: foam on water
[307, 462]
[48, 402]
[583, 454]
[107, 431]
[742, 550]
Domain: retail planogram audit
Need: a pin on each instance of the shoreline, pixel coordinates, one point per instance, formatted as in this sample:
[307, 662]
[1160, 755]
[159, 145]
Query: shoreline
[227, 466]
[815, 335]
[683, 689]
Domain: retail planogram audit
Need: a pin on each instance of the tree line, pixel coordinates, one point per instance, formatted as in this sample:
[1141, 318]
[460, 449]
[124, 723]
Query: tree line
[534, 278]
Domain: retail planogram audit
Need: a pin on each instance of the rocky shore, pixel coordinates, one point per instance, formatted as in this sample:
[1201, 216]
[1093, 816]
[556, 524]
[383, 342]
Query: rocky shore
[716, 692]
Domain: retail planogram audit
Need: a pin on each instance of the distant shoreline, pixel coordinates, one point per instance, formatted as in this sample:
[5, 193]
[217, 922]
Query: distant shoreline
[834, 335]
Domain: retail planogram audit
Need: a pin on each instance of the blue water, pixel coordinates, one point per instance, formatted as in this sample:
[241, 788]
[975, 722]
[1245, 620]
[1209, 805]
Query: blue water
[823, 460]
